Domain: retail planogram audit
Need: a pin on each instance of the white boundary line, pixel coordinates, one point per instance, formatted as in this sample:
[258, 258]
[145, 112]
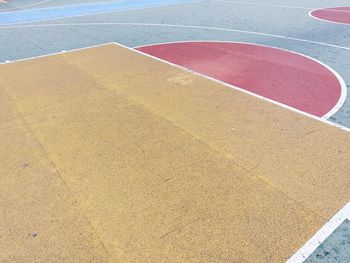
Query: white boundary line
[342, 82]
[328, 21]
[343, 88]
[279, 6]
[243, 90]
[107, 12]
[178, 26]
[56, 53]
[259, 4]
[312, 244]
[195, 73]
[23, 6]
[92, 3]
[205, 76]
[72, 5]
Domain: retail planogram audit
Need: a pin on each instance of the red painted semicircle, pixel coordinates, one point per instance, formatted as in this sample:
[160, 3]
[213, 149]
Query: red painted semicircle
[334, 14]
[280, 75]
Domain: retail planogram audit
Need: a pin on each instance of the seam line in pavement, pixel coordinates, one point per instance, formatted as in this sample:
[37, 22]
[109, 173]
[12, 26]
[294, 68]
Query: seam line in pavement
[217, 150]
[28, 127]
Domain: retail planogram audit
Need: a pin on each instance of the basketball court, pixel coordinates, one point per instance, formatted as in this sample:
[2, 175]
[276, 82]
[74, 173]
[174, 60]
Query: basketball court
[174, 131]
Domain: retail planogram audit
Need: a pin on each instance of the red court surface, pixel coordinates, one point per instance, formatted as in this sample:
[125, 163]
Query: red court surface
[283, 76]
[175, 131]
[334, 14]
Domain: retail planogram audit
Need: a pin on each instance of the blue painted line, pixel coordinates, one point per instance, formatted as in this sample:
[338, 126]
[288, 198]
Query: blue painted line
[35, 15]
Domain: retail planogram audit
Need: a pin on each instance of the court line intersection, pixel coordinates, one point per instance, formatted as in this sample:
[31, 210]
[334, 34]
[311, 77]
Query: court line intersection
[343, 214]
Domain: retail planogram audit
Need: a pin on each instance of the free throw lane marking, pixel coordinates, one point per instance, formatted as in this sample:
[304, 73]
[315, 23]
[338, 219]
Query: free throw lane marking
[340, 15]
[162, 87]
[308, 115]
[287, 77]
[218, 196]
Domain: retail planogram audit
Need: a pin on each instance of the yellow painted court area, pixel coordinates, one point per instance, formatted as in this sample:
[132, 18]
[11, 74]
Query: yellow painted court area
[109, 155]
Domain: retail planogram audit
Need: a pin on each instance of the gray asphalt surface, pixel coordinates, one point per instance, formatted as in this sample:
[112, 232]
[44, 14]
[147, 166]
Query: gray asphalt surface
[13, 5]
[287, 26]
[336, 247]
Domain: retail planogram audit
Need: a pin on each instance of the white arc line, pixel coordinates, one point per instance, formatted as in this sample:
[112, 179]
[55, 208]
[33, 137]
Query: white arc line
[329, 227]
[204, 76]
[24, 6]
[179, 26]
[242, 90]
[96, 14]
[343, 88]
[260, 4]
[282, 6]
[324, 20]
[342, 83]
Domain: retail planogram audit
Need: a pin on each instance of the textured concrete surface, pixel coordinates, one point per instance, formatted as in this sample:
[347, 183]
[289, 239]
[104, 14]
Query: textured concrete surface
[292, 147]
[254, 20]
[87, 9]
[13, 5]
[128, 159]
[336, 248]
[40, 219]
